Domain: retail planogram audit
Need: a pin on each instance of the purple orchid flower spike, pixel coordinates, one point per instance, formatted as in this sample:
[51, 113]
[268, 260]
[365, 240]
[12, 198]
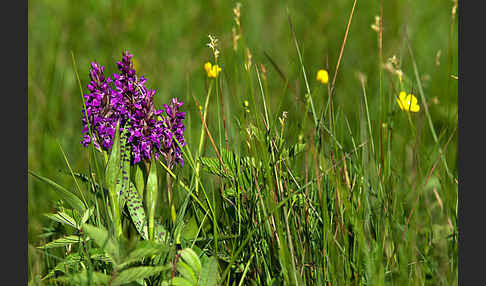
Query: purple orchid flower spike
[124, 97]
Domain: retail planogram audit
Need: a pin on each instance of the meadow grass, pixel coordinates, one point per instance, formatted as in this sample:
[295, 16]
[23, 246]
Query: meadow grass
[306, 184]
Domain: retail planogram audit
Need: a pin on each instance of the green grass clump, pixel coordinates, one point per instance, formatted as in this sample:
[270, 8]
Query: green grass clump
[287, 180]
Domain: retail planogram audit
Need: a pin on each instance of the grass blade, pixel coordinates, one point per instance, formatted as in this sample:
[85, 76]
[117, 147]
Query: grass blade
[66, 195]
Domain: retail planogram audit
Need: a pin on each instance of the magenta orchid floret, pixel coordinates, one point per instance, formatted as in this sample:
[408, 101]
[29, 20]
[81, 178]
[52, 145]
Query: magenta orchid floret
[124, 98]
[174, 129]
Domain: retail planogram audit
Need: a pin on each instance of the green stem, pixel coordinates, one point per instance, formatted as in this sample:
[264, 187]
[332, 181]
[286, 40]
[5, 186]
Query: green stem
[115, 206]
[201, 138]
[151, 198]
[171, 200]
[115, 212]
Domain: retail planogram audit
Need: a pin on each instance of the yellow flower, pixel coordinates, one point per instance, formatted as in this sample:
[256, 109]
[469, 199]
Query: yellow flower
[207, 67]
[211, 70]
[215, 70]
[408, 102]
[323, 76]
[245, 105]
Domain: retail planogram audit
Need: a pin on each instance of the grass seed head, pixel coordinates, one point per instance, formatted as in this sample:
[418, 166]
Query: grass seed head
[213, 43]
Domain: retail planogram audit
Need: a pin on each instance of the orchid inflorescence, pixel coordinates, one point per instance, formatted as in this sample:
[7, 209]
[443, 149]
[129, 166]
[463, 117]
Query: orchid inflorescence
[124, 99]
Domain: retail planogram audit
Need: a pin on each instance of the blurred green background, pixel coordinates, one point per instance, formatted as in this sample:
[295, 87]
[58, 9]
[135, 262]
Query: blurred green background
[168, 40]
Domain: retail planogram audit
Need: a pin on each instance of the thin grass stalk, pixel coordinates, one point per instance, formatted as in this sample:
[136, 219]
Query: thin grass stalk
[201, 138]
[267, 124]
[426, 108]
[303, 70]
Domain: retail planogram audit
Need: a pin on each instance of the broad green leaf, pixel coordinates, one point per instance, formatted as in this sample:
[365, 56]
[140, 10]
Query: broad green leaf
[103, 240]
[60, 242]
[86, 215]
[187, 272]
[160, 232]
[63, 218]
[138, 178]
[66, 195]
[190, 228]
[125, 188]
[113, 176]
[123, 182]
[100, 255]
[113, 166]
[151, 197]
[145, 248]
[179, 281]
[192, 259]
[136, 210]
[136, 273]
[209, 272]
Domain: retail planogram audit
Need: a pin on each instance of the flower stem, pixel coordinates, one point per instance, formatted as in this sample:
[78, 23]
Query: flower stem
[170, 196]
[201, 139]
[115, 206]
[151, 198]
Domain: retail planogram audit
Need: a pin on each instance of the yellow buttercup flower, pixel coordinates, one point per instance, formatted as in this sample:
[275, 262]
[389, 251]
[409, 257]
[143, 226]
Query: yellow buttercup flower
[323, 76]
[215, 70]
[211, 70]
[408, 102]
[207, 67]
[245, 105]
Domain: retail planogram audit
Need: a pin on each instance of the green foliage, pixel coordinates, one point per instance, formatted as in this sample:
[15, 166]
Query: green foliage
[191, 258]
[151, 195]
[125, 259]
[113, 181]
[136, 210]
[112, 172]
[63, 241]
[209, 272]
[104, 241]
[85, 278]
[304, 184]
[71, 260]
[63, 218]
[144, 249]
[195, 272]
[137, 274]
[66, 195]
